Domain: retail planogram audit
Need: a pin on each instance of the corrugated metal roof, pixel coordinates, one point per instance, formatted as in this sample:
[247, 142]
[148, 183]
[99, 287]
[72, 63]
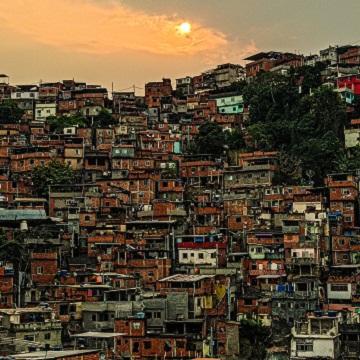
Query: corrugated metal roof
[186, 278]
[18, 215]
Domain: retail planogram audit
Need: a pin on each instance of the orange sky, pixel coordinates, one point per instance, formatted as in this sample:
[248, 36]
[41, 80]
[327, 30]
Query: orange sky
[132, 42]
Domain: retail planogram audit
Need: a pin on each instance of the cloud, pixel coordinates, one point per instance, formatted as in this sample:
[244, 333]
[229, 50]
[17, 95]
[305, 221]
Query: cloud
[105, 27]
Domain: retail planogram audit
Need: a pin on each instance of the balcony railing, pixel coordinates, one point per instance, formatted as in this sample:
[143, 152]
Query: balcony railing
[294, 294]
[303, 260]
[275, 256]
[291, 229]
[34, 326]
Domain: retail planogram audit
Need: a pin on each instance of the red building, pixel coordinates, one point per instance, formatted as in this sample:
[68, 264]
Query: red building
[350, 82]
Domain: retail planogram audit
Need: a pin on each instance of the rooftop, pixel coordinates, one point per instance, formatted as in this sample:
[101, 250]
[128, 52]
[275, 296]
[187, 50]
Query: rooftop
[186, 278]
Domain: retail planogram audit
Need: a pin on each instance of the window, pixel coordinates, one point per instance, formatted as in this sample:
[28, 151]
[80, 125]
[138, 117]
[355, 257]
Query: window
[151, 274]
[339, 287]
[147, 345]
[48, 111]
[248, 301]
[348, 205]
[31, 94]
[184, 255]
[135, 346]
[161, 126]
[40, 270]
[345, 256]
[136, 163]
[141, 195]
[349, 78]
[108, 132]
[290, 191]
[192, 254]
[201, 256]
[93, 317]
[263, 175]
[348, 218]
[87, 218]
[47, 336]
[304, 347]
[346, 191]
[157, 315]
[29, 337]
[18, 95]
[31, 161]
[334, 203]
[165, 184]
[146, 181]
[147, 163]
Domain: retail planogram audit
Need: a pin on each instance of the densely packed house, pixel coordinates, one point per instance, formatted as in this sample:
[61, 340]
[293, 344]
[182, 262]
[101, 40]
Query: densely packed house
[158, 252]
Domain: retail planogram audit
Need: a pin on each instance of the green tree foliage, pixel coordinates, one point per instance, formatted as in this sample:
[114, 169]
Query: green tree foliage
[10, 113]
[356, 113]
[53, 173]
[305, 128]
[58, 123]
[169, 173]
[211, 139]
[104, 119]
[255, 334]
[10, 251]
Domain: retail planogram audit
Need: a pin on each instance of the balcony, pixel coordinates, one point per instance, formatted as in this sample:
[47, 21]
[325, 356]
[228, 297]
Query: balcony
[291, 229]
[294, 295]
[36, 326]
[275, 256]
[303, 260]
[258, 167]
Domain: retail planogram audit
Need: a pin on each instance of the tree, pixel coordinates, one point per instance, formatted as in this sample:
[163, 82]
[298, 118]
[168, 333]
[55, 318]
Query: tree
[355, 114]
[211, 139]
[10, 113]
[58, 123]
[305, 129]
[52, 173]
[104, 119]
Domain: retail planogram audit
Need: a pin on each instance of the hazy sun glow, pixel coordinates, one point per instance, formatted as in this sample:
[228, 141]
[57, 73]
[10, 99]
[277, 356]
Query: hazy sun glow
[185, 28]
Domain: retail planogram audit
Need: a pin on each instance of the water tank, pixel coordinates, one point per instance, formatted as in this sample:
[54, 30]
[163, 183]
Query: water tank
[140, 315]
[23, 225]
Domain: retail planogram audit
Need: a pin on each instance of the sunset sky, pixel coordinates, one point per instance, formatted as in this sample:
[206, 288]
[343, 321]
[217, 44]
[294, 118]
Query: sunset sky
[135, 41]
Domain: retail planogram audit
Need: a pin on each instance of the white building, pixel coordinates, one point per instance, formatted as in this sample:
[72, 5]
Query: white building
[43, 111]
[317, 337]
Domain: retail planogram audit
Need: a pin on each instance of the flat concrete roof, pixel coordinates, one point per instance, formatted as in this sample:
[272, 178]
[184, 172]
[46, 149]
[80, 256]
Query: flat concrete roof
[97, 334]
[53, 354]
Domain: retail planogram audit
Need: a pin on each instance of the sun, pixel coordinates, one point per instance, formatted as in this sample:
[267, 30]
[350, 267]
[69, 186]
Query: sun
[185, 28]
